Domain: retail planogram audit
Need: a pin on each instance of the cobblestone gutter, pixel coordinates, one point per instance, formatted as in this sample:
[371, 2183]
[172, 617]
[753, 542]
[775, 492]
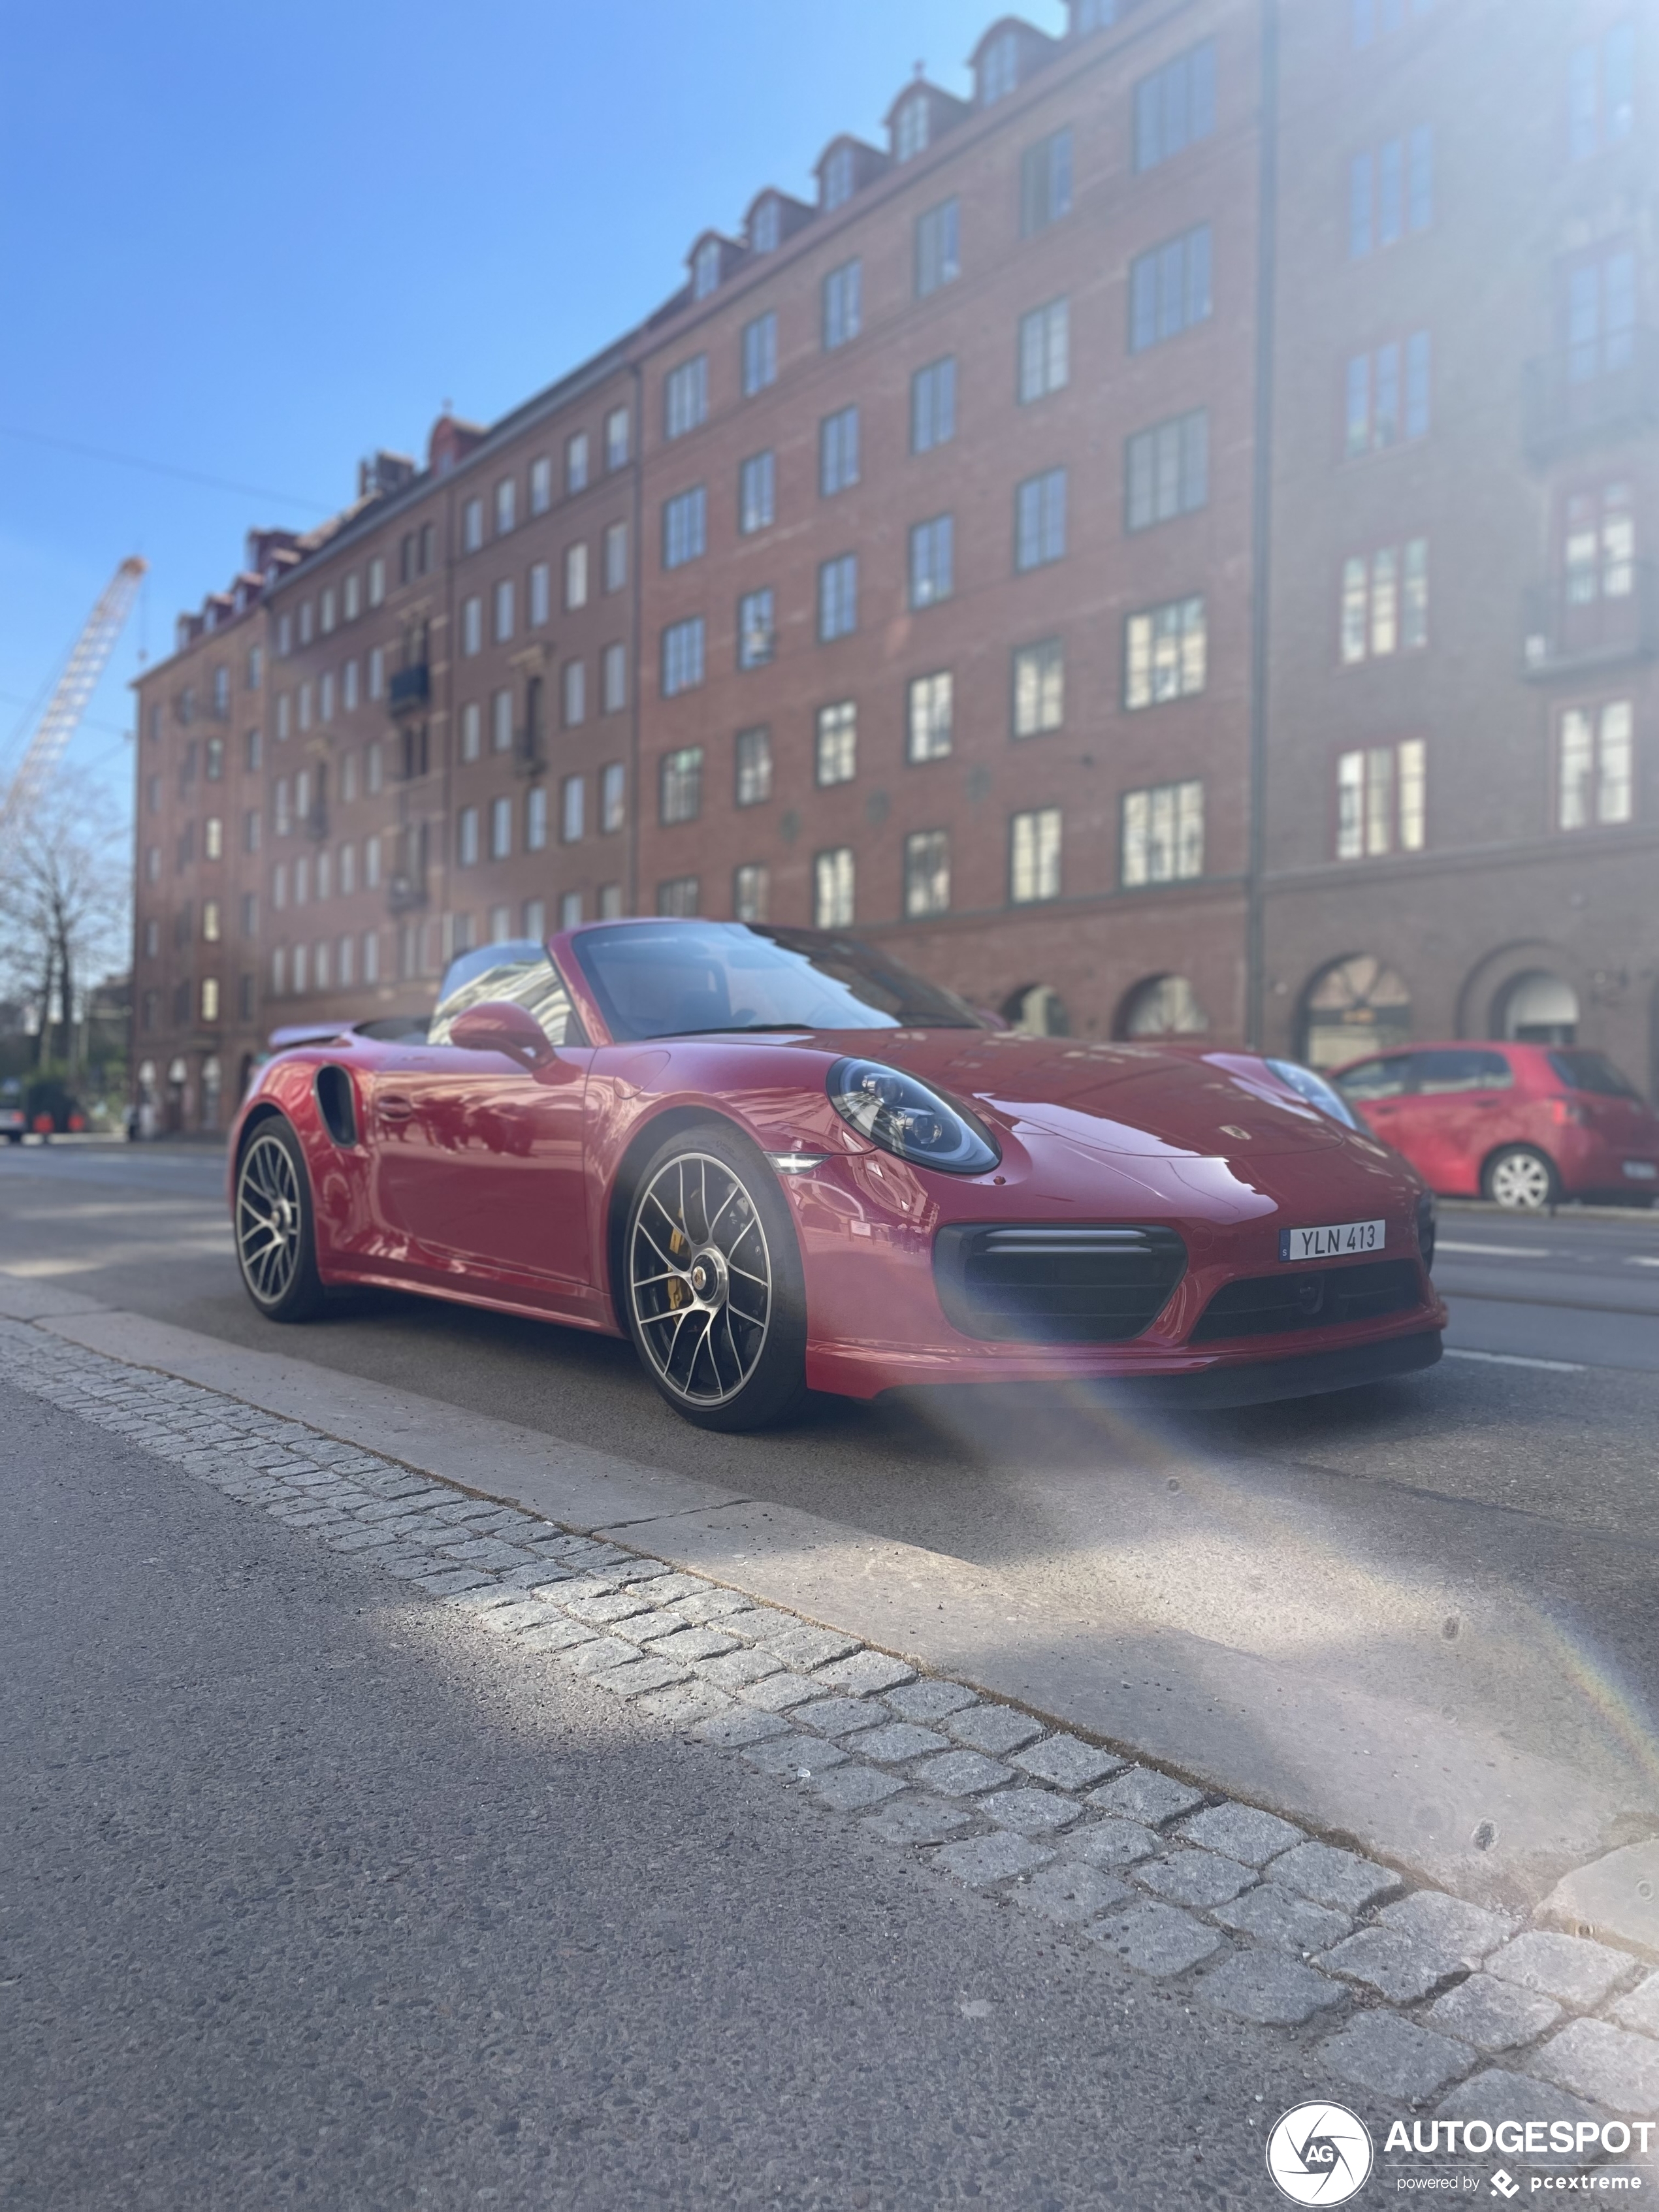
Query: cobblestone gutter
[1412, 1994]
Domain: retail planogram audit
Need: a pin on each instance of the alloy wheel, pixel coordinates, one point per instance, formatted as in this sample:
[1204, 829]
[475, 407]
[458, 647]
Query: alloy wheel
[1521, 1180]
[269, 1221]
[700, 1277]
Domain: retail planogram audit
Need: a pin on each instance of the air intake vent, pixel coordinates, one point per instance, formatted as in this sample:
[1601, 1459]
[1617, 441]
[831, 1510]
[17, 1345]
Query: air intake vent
[1056, 1284]
[1270, 1305]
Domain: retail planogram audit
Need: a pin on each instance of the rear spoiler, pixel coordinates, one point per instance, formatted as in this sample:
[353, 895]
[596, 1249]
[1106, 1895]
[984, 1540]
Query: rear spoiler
[392, 1027]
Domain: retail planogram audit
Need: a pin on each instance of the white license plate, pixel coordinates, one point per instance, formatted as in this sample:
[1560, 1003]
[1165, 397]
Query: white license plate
[1335, 1241]
[1641, 1171]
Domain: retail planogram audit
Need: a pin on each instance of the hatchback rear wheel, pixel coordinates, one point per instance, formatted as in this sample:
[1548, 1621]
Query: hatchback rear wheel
[1522, 1179]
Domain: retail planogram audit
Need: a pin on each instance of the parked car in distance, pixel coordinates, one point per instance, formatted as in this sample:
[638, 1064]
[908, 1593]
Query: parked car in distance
[1525, 1124]
[11, 1110]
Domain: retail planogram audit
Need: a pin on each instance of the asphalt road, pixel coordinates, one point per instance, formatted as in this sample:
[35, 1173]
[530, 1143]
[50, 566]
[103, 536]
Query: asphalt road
[1475, 1550]
[311, 1896]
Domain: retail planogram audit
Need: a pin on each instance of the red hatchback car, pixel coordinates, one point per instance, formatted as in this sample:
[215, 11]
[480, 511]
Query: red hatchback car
[1525, 1124]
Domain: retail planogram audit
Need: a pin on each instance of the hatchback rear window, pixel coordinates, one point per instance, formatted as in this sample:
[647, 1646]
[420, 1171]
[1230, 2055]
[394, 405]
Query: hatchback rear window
[1376, 1078]
[1589, 1071]
[1465, 1069]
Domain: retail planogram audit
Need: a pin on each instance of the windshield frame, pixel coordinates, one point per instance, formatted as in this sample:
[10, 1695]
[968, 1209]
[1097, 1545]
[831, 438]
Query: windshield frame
[934, 1006]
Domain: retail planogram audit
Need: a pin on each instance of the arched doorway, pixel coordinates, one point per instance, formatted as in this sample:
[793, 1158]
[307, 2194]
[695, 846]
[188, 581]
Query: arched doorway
[1037, 1010]
[1164, 1006]
[1537, 1008]
[1355, 1005]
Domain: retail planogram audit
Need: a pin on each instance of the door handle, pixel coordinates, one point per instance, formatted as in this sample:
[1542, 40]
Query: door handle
[394, 1106]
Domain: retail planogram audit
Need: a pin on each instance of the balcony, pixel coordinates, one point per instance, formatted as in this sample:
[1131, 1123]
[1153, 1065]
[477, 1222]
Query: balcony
[410, 688]
[1575, 624]
[1583, 395]
[404, 893]
[314, 821]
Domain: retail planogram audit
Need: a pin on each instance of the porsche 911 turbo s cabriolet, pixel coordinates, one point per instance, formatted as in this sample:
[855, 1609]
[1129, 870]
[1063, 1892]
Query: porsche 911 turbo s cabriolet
[779, 1162]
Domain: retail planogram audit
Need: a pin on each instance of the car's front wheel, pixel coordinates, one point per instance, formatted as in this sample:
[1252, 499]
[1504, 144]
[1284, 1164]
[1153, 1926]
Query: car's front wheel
[1522, 1179]
[275, 1239]
[713, 1288]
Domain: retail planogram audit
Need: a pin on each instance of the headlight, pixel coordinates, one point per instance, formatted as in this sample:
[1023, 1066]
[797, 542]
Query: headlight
[905, 1117]
[1426, 1217]
[1315, 1088]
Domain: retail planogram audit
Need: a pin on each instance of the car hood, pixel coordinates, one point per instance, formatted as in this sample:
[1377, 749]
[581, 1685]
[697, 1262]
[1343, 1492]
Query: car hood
[1122, 1100]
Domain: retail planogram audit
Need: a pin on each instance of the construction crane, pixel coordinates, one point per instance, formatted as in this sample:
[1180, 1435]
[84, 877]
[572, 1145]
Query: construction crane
[68, 703]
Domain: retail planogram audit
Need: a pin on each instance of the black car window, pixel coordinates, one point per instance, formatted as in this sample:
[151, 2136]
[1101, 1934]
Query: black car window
[1590, 1071]
[521, 974]
[1387, 1077]
[1463, 1067]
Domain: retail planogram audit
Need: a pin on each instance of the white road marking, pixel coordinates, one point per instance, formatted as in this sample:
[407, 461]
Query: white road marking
[1494, 1251]
[1515, 1359]
[1643, 1259]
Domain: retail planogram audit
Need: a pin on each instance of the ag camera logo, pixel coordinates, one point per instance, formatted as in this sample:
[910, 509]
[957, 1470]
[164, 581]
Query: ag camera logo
[1320, 2154]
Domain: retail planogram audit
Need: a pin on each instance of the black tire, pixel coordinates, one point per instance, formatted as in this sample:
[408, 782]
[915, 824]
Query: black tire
[274, 1225]
[708, 1234]
[1521, 1179]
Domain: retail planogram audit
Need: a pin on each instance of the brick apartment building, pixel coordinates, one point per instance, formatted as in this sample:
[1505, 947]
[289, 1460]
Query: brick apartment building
[1156, 541]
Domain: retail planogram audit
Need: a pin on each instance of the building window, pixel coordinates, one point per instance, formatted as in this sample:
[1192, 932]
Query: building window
[471, 526]
[575, 577]
[501, 828]
[749, 889]
[255, 667]
[466, 837]
[285, 635]
[616, 555]
[933, 561]
[250, 830]
[351, 597]
[1165, 654]
[756, 633]
[153, 864]
[838, 452]
[685, 397]
[377, 580]
[617, 438]
[575, 462]
[682, 656]
[541, 484]
[326, 697]
[575, 680]
[613, 797]
[843, 290]
[837, 751]
[1169, 289]
[613, 679]
[832, 888]
[284, 715]
[377, 671]
[1387, 396]
[767, 228]
[1385, 601]
[926, 872]
[471, 626]
[681, 788]
[1601, 92]
[756, 493]
[838, 179]
[535, 821]
[570, 912]
[1040, 520]
[937, 256]
[1045, 182]
[706, 269]
[1163, 834]
[213, 760]
[210, 922]
[1045, 351]
[1598, 547]
[1034, 856]
[1379, 796]
[504, 596]
[684, 527]
[838, 598]
[1166, 470]
[507, 506]
[305, 696]
[910, 128]
[1597, 786]
[1390, 192]
[213, 838]
[501, 721]
[209, 998]
[678, 895]
[349, 686]
[933, 405]
[754, 766]
[283, 820]
[371, 864]
[998, 68]
[540, 594]
[929, 722]
[304, 622]
[760, 354]
[1175, 106]
[471, 728]
[573, 807]
[1601, 316]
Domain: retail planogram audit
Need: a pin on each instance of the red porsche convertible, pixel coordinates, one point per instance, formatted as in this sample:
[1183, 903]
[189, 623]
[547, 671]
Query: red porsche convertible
[779, 1162]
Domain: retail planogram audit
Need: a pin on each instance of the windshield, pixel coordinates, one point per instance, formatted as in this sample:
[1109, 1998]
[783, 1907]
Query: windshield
[1591, 1071]
[689, 978]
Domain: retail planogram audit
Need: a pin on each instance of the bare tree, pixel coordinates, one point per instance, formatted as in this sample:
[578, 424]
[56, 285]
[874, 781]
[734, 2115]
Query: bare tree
[65, 895]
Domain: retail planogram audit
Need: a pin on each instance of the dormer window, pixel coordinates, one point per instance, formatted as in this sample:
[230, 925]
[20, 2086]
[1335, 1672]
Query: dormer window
[706, 269]
[838, 177]
[763, 231]
[910, 128]
[998, 73]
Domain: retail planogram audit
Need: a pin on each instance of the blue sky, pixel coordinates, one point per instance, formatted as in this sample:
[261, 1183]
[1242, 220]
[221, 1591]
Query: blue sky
[254, 244]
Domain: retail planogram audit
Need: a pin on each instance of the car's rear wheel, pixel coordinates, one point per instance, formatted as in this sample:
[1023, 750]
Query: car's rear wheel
[276, 1237]
[1522, 1179]
[713, 1287]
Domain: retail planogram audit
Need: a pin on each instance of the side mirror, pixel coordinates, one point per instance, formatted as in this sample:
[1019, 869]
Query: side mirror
[497, 1026]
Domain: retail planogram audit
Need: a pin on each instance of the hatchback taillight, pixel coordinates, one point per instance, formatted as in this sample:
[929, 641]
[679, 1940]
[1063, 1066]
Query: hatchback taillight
[1567, 1109]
